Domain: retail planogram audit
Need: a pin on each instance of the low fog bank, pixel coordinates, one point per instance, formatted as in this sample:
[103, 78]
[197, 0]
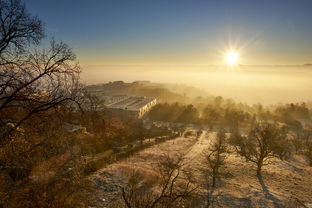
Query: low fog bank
[262, 84]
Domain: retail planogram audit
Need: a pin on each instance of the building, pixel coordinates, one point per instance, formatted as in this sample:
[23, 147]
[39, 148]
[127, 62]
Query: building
[136, 106]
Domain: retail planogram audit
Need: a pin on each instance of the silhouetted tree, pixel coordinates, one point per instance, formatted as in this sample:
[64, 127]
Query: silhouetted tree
[31, 82]
[212, 115]
[37, 88]
[258, 146]
[44, 81]
[189, 115]
[307, 146]
[214, 157]
[18, 30]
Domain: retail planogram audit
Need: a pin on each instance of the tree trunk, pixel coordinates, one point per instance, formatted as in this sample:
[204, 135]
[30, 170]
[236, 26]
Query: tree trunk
[259, 166]
[214, 178]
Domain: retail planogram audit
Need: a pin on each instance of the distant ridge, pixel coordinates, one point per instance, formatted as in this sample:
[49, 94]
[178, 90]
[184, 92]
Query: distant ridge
[275, 65]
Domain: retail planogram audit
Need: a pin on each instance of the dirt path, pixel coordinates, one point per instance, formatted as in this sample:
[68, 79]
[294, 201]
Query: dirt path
[107, 179]
[193, 156]
[280, 182]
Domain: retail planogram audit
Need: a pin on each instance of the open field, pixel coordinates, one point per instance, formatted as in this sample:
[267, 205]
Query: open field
[281, 183]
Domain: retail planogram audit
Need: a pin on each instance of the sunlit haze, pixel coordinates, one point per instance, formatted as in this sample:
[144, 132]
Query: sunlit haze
[155, 103]
[241, 42]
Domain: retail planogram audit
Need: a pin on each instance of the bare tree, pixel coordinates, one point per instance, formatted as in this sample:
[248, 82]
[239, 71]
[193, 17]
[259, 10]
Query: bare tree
[308, 151]
[92, 103]
[258, 146]
[300, 140]
[214, 157]
[173, 187]
[18, 30]
[45, 80]
[297, 141]
[31, 81]
[213, 162]
[37, 87]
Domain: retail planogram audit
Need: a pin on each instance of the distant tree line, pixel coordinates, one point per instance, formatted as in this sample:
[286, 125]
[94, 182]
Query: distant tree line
[226, 113]
[174, 112]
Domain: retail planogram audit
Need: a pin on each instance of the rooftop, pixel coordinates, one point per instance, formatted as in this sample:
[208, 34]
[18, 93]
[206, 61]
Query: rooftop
[132, 103]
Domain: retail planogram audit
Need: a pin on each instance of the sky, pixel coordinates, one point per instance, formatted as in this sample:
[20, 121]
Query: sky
[180, 32]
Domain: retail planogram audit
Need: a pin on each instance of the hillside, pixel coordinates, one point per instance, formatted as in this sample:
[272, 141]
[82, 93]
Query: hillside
[283, 183]
[162, 92]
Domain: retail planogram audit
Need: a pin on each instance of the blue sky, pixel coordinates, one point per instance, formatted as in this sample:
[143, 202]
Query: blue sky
[180, 31]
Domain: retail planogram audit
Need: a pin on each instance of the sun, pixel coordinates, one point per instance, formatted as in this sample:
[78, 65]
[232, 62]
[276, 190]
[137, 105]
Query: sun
[231, 58]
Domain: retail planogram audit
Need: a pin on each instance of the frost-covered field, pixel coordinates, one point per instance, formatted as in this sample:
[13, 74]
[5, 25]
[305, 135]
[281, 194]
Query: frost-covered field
[281, 184]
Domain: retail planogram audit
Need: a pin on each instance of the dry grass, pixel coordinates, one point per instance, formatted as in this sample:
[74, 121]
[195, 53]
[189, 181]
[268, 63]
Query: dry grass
[282, 181]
